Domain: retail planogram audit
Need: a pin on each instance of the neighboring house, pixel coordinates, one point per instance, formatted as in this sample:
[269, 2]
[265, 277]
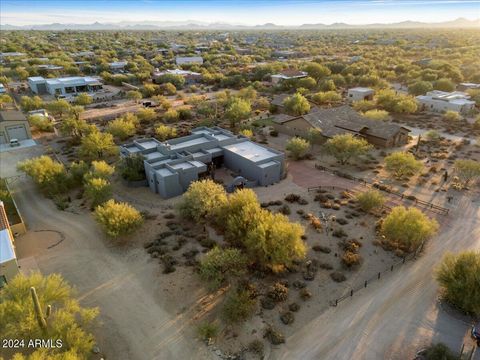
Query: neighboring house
[83, 54]
[2, 89]
[8, 259]
[172, 165]
[13, 125]
[190, 77]
[117, 66]
[42, 113]
[49, 67]
[64, 86]
[343, 120]
[189, 60]
[285, 54]
[287, 75]
[441, 101]
[467, 86]
[360, 93]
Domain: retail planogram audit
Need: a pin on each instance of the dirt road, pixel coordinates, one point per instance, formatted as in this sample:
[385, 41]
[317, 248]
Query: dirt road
[137, 320]
[395, 317]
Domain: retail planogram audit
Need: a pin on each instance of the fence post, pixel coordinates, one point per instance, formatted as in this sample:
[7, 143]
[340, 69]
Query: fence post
[351, 292]
[391, 268]
[366, 282]
[403, 261]
[379, 275]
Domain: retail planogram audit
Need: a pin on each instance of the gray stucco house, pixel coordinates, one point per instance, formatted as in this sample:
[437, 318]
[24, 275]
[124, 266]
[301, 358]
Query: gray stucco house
[172, 165]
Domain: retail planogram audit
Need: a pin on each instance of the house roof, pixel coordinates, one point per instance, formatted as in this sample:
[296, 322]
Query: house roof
[342, 119]
[12, 115]
[283, 118]
[278, 99]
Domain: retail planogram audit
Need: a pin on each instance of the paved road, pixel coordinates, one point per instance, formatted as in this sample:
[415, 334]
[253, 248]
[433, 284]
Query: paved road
[396, 316]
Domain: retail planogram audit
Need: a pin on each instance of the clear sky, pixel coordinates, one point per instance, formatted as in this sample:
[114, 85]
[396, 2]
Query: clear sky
[248, 12]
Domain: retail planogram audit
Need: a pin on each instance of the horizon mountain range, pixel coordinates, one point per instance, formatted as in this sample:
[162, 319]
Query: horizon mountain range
[199, 25]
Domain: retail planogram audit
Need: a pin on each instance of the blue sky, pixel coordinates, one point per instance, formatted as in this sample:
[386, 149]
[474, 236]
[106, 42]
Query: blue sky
[248, 12]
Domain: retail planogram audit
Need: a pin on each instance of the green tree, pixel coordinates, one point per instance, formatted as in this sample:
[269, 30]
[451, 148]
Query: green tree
[118, 218]
[58, 107]
[146, 115]
[307, 83]
[370, 199]
[41, 123]
[96, 145]
[100, 169]
[171, 115]
[164, 132]
[249, 94]
[177, 80]
[459, 281]
[48, 174]
[444, 85]
[316, 70]
[327, 85]
[5, 99]
[297, 147]
[344, 147]
[420, 88]
[132, 167]
[401, 164]
[238, 109]
[407, 228]
[220, 265]
[168, 89]
[363, 105]
[28, 104]
[467, 170]
[98, 190]
[122, 128]
[328, 97]
[314, 136]
[134, 95]
[203, 199]
[83, 99]
[66, 321]
[296, 104]
[380, 115]
[246, 132]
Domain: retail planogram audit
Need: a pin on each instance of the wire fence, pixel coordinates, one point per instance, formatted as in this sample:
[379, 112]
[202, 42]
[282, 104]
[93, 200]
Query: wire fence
[378, 276]
[425, 204]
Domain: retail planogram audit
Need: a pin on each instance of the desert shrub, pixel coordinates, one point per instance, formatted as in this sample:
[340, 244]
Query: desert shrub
[370, 199]
[257, 347]
[401, 164]
[338, 276]
[41, 123]
[374, 114]
[297, 147]
[219, 265]
[351, 259]
[207, 330]
[278, 292]
[407, 228]
[238, 306]
[274, 336]
[440, 352]
[458, 278]
[132, 168]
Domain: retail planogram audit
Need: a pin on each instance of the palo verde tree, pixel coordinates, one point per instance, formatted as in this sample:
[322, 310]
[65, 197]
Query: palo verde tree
[96, 145]
[220, 265]
[297, 147]
[406, 228]
[345, 147]
[238, 109]
[202, 200]
[296, 104]
[467, 170]
[401, 164]
[118, 218]
[44, 307]
[48, 174]
[458, 277]
[370, 199]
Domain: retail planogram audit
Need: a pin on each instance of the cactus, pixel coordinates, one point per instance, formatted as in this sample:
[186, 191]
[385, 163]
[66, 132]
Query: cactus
[42, 321]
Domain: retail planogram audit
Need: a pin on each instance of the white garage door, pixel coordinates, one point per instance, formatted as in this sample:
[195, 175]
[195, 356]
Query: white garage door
[17, 132]
[3, 140]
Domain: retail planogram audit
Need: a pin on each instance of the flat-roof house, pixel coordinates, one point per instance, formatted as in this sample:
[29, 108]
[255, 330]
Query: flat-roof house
[64, 86]
[190, 77]
[289, 74]
[343, 120]
[13, 125]
[171, 166]
[441, 101]
[467, 86]
[8, 259]
[360, 93]
[189, 60]
[117, 66]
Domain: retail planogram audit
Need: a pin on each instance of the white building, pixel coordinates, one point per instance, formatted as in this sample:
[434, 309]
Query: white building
[8, 258]
[118, 66]
[467, 86]
[360, 93]
[2, 89]
[286, 75]
[65, 86]
[189, 60]
[189, 76]
[441, 101]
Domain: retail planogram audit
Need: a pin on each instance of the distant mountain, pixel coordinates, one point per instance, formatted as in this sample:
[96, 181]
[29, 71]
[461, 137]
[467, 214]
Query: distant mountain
[192, 24]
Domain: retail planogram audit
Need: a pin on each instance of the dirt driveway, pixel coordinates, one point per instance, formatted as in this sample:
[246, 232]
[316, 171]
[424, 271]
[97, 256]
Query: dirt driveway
[137, 319]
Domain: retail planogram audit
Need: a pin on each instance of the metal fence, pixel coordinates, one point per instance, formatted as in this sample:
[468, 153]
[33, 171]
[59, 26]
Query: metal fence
[379, 275]
[433, 207]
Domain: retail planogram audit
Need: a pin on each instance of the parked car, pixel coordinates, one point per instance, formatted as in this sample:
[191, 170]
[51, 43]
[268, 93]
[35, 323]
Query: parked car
[476, 333]
[14, 142]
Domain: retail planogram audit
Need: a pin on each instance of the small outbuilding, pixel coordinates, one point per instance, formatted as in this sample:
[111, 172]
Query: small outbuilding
[13, 125]
[360, 94]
